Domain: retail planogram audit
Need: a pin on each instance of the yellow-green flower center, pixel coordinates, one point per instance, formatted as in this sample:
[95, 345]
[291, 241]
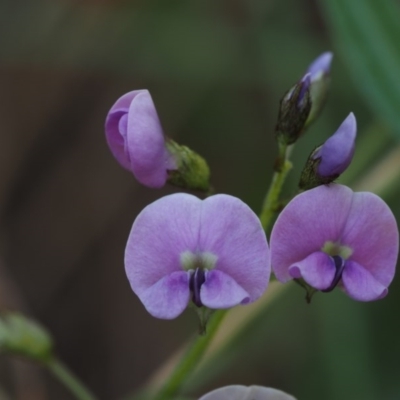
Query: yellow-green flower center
[337, 249]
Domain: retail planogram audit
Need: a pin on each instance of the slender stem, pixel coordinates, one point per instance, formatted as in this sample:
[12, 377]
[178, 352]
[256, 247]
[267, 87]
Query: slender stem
[65, 376]
[190, 359]
[271, 202]
[198, 347]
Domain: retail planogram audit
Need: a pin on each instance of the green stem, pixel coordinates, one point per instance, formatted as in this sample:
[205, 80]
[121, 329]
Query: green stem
[271, 202]
[199, 346]
[62, 373]
[190, 359]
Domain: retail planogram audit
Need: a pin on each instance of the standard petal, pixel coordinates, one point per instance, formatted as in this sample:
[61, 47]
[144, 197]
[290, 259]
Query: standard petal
[123, 103]
[231, 231]
[371, 231]
[221, 291]
[160, 234]
[149, 157]
[317, 269]
[360, 284]
[239, 392]
[306, 223]
[116, 140]
[168, 297]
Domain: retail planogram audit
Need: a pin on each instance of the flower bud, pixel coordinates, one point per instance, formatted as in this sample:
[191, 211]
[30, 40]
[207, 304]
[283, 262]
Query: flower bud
[22, 336]
[136, 139]
[293, 111]
[327, 162]
[320, 80]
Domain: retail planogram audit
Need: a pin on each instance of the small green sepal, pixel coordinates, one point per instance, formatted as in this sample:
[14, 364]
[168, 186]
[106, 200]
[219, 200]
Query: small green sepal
[192, 170]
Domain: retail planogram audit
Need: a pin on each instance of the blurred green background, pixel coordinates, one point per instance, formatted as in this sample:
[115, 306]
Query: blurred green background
[216, 70]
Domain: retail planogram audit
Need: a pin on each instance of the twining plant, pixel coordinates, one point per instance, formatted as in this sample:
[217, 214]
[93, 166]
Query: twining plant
[211, 253]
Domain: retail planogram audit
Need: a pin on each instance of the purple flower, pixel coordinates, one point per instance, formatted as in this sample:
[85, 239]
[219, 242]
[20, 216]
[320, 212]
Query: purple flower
[332, 236]
[136, 139]
[320, 66]
[239, 392]
[212, 251]
[337, 152]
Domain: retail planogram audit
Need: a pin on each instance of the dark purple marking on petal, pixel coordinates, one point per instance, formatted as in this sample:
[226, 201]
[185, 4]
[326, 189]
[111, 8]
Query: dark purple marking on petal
[339, 265]
[195, 282]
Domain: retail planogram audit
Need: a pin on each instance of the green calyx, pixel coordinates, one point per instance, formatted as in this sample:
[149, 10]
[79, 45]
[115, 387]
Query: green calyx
[192, 170]
[293, 114]
[309, 177]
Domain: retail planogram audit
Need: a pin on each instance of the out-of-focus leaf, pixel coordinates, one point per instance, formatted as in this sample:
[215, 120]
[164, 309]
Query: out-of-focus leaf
[367, 33]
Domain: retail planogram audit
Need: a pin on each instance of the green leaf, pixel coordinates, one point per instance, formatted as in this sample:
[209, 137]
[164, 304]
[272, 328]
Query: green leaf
[367, 34]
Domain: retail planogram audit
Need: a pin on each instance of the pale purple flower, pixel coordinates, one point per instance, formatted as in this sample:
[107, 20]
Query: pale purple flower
[136, 139]
[239, 392]
[332, 236]
[337, 152]
[320, 66]
[213, 251]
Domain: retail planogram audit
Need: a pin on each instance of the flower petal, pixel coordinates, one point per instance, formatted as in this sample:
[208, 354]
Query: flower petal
[221, 291]
[115, 138]
[306, 223]
[149, 157]
[317, 269]
[360, 284]
[160, 234]
[239, 392]
[231, 231]
[371, 231]
[168, 297]
[321, 65]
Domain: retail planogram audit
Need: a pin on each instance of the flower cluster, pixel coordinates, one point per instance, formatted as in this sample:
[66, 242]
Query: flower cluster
[213, 253]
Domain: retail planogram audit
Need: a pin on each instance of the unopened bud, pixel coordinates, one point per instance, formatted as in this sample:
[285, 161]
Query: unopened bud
[327, 162]
[22, 336]
[293, 111]
[320, 81]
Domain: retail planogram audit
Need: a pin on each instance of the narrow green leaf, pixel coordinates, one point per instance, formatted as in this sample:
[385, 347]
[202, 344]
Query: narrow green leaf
[367, 34]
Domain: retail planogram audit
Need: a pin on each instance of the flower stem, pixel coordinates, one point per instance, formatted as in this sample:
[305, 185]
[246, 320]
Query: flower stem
[196, 350]
[62, 373]
[189, 361]
[271, 202]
